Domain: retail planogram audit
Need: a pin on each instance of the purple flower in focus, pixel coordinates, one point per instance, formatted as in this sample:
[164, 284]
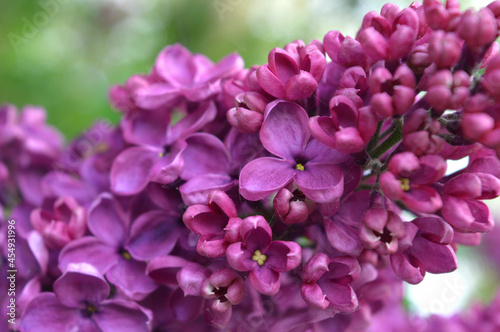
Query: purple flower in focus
[409, 179]
[217, 223]
[302, 159]
[79, 302]
[294, 72]
[326, 282]
[262, 256]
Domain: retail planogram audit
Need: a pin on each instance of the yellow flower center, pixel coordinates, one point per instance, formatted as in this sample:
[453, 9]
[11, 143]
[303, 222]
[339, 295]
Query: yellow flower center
[300, 167]
[91, 308]
[126, 255]
[405, 184]
[259, 257]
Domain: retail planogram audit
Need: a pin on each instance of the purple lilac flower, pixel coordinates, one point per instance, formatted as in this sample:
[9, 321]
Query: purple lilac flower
[79, 302]
[302, 159]
[262, 256]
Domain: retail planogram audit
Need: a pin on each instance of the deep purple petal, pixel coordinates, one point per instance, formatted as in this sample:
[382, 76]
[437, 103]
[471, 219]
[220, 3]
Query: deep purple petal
[205, 154]
[435, 257]
[153, 234]
[89, 250]
[164, 269]
[285, 129]
[315, 152]
[265, 280]
[81, 284]
[261, 177]
[121, 315]
[343, 238]
[341, 297]
[185, 308]
[283, 256]
[145, 128]
[174, 64]
[196, 190]
[156, 96]
[192, 122]
[46, 314]
[131, 169]
[107, 220]
[130, 277]
[322, 183]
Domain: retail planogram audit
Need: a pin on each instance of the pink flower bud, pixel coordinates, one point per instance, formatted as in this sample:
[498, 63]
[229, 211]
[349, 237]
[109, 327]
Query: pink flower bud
[444, 49]
[478, 28]
[292, 208]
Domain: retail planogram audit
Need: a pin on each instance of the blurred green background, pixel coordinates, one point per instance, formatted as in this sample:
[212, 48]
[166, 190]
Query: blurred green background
[65, 54]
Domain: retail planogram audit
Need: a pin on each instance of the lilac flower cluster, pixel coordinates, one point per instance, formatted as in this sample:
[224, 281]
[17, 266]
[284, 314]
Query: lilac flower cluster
[295, 195]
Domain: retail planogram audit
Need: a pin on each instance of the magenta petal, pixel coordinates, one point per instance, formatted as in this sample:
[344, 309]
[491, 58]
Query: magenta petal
[323, 129]
[315, 267]
[423, 199]
[435, 257]
[270, 82]
[285, 129]
[130, 277]
[153, 234]
[300, 86]
[121, 315]
[167, 169]
[131, 169]
[200, 219]
[238, 258]
[283, 256]
[81, 285]
[196, 190]
[164, 269]
[313, 295]
[464, 186]
[46, 314]
[227, 66]
[322, 183]
[265, 280]
[174, 64]
[107, 220]
[411, 273]
[156, 96]
[145, 128]
[261, 177]
[185, 308]
[205, 154]
[315, 152]
[192, 122]
[256, 233]
[342, 297]
[343, 238]
[191, 278]
[89, 250]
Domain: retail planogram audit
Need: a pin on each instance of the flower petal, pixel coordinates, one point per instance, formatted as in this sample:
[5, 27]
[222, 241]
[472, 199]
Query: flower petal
[121, 315]
[265, 280]
[322, 183]
[285, 129]
[130, 277]
[153, 234]
[261, 177]
[89, 250]
[107, 220]
[131, 170]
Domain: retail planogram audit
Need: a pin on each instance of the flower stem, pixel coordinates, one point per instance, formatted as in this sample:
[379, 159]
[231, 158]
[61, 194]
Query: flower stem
[392, 140]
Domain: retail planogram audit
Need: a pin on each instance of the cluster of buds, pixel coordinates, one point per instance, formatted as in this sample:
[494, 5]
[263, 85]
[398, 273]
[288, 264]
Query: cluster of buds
[268, 198]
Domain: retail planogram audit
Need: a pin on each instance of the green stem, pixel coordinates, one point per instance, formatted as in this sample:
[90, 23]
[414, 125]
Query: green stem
[392, 140]
[373, 142]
